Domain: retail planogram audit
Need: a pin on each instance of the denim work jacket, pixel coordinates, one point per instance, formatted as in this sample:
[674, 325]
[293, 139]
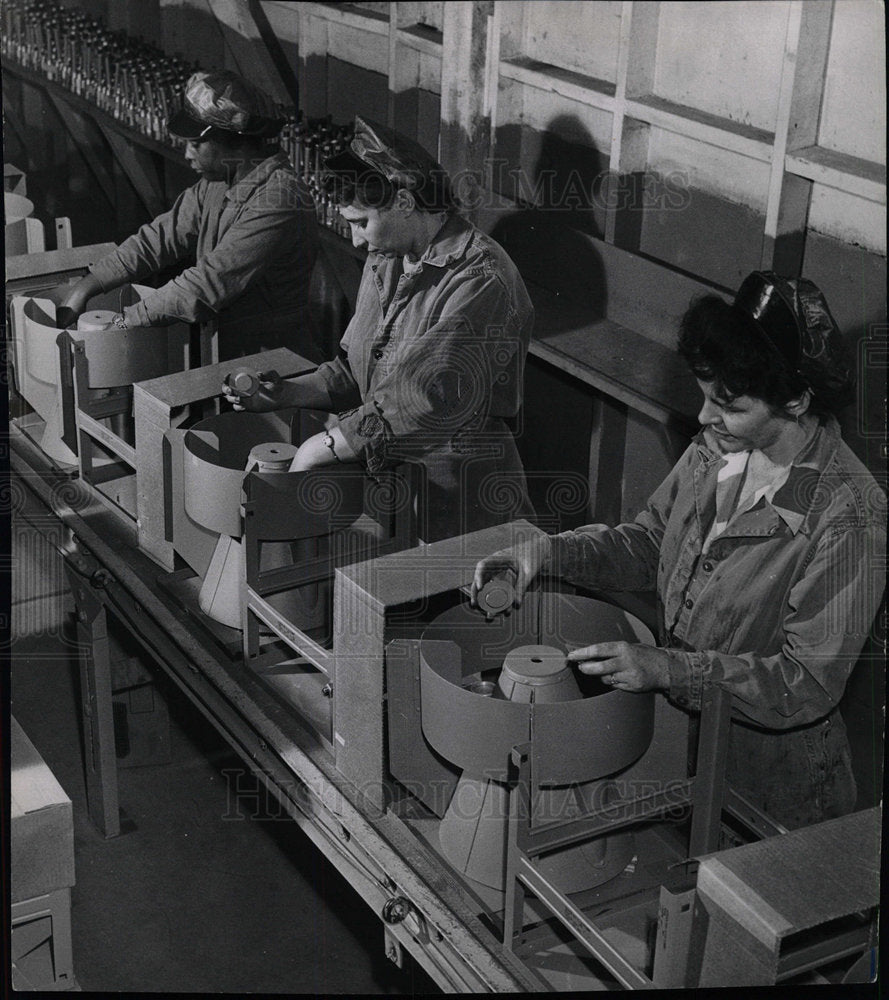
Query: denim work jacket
[777, 612]
[431, 350]
[251, 249]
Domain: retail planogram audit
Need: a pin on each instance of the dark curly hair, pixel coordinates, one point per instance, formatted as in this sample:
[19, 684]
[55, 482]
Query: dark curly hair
[722, 344]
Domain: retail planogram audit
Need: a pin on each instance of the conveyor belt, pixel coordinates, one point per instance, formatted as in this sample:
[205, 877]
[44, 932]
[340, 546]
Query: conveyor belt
[374, 851]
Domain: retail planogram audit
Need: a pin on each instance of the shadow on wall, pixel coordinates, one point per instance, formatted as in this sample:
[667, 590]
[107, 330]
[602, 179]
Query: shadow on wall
[548, 238]
[854, 282]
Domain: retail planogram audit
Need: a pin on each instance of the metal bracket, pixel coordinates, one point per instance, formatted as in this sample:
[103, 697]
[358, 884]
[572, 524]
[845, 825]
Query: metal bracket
[394, 951]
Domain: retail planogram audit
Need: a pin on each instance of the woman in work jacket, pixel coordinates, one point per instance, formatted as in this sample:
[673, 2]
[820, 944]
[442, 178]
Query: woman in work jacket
[245, 236]
[764, 544]
[432, 362]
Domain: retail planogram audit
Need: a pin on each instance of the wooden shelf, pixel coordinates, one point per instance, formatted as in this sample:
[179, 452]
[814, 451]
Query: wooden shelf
[564, 82]
[353, 17]
[851, 174]
[609, 357]
[94, 111]
[422, 38]
[712, 129]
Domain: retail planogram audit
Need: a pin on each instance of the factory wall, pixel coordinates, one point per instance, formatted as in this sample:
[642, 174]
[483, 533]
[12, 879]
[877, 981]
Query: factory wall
[697, 204]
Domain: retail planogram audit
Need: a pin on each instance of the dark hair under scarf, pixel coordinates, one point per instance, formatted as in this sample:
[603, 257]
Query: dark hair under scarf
[775, 341]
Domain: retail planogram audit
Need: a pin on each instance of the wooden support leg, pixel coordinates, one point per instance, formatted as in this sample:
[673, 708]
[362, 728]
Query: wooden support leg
[96, 705]
[519, 820]
[708, 794]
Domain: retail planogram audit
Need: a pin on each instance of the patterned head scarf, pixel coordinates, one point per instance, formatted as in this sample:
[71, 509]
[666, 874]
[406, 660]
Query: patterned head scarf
[223, 100]
[401, 161]
[792, 315]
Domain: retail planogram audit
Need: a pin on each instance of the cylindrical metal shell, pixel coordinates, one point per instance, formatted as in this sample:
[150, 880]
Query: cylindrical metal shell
[16, 206]
[214, 457]
[572, 741]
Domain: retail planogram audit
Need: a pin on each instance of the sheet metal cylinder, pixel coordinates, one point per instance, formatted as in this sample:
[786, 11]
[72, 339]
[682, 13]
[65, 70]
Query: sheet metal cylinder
[573, 741]
[215, 458]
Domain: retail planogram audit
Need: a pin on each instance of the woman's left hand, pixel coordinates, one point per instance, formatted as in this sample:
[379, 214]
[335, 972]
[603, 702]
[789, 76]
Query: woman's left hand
[624, 665]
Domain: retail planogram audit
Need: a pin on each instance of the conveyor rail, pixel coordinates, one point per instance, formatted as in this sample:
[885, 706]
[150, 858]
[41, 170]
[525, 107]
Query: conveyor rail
[373, 850]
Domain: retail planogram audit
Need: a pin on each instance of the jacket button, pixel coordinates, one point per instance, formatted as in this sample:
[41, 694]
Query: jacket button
[708, 566]
[689, 603]
[378, 355]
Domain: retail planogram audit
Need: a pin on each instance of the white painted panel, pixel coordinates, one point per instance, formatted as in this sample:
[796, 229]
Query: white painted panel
[283, 19]
[853, 118]
[847, 218]
[360, 48]
[430, 14]
[429, 75]
[737, 178]
[378, 6]
[543, 110]
[580, 36]
[723, 57]
[510, 100]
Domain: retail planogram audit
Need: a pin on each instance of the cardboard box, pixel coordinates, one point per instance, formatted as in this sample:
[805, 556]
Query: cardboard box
[42, 829]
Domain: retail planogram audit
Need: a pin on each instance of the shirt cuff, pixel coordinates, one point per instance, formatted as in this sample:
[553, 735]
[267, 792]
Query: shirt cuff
[109, 272]
[688, 673]
[136, 315]
[365, 434]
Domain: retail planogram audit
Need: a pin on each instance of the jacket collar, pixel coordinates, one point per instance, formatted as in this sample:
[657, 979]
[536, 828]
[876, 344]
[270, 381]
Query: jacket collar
[242, 190]
[796, 499]
[449, 243]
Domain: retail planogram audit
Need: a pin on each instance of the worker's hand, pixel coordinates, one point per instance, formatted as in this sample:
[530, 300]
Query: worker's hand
[269, 395]
[519, 564]
[76, 300]
[626, 666]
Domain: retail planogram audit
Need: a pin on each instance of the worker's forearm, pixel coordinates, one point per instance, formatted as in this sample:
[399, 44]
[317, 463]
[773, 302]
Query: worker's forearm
[308, 392]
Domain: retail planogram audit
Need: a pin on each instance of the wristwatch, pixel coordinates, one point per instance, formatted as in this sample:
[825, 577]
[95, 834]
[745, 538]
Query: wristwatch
[328, 441]
[118, 320]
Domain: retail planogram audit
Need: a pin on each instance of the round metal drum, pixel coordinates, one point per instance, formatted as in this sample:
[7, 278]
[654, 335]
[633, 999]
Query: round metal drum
[215, 458]
[120, 357]
[598, 732]
[16, 206]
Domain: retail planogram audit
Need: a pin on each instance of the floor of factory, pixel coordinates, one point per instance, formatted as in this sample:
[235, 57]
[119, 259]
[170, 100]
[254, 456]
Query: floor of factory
[199, 897]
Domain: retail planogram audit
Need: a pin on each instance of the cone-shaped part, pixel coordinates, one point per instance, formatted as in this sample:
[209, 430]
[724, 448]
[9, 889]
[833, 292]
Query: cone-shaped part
[96, 319]
[473, 832]
[537, 674]
[220, 594]
[51, 442]
[473, 837]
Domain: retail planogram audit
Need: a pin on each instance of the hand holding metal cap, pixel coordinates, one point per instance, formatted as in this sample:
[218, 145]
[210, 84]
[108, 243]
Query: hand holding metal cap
[496, 596]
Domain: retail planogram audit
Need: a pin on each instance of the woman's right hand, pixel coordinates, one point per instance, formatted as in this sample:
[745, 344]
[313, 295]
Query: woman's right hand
[267, 396]
[74, 303]
[523, 561]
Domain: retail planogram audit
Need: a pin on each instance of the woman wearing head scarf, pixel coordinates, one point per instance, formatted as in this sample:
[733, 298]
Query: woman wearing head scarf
[432, 363]
[244, 237]
[764, 544]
